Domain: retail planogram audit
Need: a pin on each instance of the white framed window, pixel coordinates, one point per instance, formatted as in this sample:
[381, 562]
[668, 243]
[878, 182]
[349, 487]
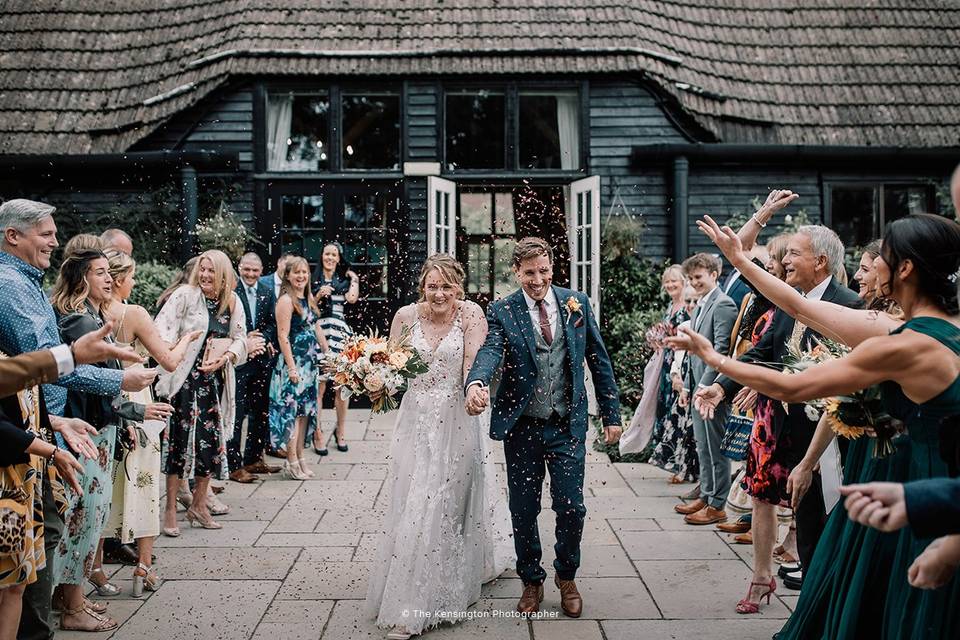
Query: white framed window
[441, 216]
[583, 224]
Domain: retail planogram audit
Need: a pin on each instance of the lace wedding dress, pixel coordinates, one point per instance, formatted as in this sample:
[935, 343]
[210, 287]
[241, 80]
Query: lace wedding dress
[447, 528]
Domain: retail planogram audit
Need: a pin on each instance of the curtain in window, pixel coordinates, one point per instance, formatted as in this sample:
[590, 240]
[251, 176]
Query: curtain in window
[279, 118]
[568, 115]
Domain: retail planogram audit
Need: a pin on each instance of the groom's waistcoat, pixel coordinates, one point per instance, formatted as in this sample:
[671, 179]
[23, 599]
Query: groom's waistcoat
[551, 392]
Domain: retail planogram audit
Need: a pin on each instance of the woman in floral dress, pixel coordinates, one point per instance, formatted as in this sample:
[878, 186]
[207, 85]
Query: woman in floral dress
[293, 389]
[202, 393]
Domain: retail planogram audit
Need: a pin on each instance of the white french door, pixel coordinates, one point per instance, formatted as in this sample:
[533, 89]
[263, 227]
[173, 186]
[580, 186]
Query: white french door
[441, 216]
[583, 227]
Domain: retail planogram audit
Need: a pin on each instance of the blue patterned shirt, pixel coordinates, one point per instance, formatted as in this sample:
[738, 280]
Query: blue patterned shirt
[28, 323]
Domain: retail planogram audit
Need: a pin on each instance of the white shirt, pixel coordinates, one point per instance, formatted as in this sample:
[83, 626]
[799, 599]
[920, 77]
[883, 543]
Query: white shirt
[553, 315]
[817, 292]
[251, 291]
[276, 285]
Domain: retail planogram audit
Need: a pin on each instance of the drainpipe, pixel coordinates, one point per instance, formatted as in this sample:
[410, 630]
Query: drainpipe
[681, 222]
[190, 207]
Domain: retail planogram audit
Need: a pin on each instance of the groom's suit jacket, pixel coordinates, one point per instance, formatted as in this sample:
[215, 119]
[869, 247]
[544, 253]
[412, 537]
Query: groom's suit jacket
[511, 339]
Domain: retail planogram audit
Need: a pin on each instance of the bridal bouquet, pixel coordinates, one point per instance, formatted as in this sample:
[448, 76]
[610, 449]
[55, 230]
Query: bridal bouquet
[374, 366]
[849, 416]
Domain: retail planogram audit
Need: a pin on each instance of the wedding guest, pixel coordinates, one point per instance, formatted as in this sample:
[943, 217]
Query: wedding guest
[202, 389]
[117, 239]
[335, 287]
[135, 511]
[293, 388]
[83, 287]
[28, 323]
[713, 318]
[253, 378]
[646, 426]
[275, 280]
[917, 366]
[183, 277]
[676, 449]
[82, 242]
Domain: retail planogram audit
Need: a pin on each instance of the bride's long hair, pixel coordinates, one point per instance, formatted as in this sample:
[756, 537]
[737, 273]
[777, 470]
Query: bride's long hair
[450, 270]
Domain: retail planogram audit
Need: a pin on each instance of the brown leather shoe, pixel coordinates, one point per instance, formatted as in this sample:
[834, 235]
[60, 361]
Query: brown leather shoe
[570, 600]
[531, 598]
[690, 507]
[242, 475]
[734, 527]
[707, 515]
[262, 467]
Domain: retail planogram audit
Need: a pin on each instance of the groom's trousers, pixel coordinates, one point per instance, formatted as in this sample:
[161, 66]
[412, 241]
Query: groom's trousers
[532, 447]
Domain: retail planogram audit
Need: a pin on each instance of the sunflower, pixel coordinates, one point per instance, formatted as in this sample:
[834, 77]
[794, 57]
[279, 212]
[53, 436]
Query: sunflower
[838, 426]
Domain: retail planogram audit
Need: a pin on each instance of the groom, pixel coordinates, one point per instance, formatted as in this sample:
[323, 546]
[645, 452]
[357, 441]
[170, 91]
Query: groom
[542, 334]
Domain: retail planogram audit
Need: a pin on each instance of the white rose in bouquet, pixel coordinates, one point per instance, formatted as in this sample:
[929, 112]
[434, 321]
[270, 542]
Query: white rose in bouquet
[374, 382]
[398, 359]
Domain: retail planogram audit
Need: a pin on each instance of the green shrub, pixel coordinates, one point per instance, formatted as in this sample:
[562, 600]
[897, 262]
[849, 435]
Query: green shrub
[633, 301]
[152, 278]
[225, 232]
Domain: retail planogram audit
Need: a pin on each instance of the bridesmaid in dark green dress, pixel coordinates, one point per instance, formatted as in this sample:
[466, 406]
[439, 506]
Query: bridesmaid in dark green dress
[857, 584]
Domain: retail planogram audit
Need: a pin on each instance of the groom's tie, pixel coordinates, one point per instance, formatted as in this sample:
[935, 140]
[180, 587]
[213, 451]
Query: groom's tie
[545, 323]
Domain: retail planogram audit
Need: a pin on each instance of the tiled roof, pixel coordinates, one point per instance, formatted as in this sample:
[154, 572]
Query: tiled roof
[84, 76]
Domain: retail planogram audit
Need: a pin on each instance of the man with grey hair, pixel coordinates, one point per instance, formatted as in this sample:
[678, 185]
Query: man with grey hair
[117, 239]
[814, 255]
[28, 323]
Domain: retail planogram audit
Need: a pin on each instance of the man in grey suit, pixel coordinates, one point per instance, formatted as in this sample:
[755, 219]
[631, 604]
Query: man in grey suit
[713, 318]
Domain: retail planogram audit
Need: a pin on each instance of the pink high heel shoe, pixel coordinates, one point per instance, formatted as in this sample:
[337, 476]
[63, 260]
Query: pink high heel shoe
[746, 606]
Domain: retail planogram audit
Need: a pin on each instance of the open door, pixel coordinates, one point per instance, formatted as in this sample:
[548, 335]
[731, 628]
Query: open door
[441, 216]
[583, 226]
[584, 229]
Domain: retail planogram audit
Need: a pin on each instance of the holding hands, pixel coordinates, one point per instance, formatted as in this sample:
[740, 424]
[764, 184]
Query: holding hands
[478, 399]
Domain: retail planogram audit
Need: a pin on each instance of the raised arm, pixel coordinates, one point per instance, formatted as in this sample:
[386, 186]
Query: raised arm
[474, 334]
[167, 356]
[776, 200]
[849, 326]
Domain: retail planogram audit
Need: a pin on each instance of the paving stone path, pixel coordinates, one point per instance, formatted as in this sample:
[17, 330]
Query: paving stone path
[292, 560]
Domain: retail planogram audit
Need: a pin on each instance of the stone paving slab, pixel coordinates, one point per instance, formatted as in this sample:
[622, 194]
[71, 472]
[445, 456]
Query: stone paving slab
[293, 559]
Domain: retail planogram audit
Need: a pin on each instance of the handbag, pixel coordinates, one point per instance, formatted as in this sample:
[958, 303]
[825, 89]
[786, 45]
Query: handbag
[216, 349]
[736, 438]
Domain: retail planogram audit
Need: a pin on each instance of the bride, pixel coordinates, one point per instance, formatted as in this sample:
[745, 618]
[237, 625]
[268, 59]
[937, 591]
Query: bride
[447, 528]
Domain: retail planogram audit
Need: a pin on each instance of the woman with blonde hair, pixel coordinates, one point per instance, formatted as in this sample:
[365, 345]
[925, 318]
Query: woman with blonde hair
[202, 387]
[293, 389]
[83, 288]
[446, 531]
[135, 513]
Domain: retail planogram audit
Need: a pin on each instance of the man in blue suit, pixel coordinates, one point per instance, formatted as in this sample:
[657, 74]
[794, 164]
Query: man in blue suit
[542, 334]
[272, 280]
[253, 377]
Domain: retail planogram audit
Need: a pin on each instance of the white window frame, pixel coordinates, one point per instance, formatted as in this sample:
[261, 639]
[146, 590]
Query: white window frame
[583, 224]
[441, 216]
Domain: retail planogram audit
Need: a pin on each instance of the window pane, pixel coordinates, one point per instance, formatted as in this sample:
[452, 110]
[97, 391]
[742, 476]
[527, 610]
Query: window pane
[313, 211]
[505, 223]
[478, 268]
[292, 214]
[292, 243]
[313, 244]
[853, 211]
[371, 131]
[549, 131]
[503, 280]
[901, 200]
[475, 130]
[475, 212]
[364, 210]
[297, 126]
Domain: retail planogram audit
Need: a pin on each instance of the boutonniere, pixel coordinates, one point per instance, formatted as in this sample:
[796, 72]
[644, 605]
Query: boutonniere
[574, 306]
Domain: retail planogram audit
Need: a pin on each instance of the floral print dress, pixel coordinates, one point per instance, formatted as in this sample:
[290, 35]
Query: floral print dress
[196, 443]
[289, 401]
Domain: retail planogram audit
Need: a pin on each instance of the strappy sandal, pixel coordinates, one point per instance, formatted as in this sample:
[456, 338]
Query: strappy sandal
[144, 578]
[58, 605]
[103, 623]
[105, 590]
[782, 556]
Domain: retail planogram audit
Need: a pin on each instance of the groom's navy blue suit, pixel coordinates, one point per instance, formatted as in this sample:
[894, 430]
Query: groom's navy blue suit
[532, 444]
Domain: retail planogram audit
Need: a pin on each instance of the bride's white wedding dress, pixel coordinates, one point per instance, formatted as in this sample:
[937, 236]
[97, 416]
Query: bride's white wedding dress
[447, 529]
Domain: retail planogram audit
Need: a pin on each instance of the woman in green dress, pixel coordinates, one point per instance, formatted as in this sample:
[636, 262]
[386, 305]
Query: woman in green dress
[857, 584]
